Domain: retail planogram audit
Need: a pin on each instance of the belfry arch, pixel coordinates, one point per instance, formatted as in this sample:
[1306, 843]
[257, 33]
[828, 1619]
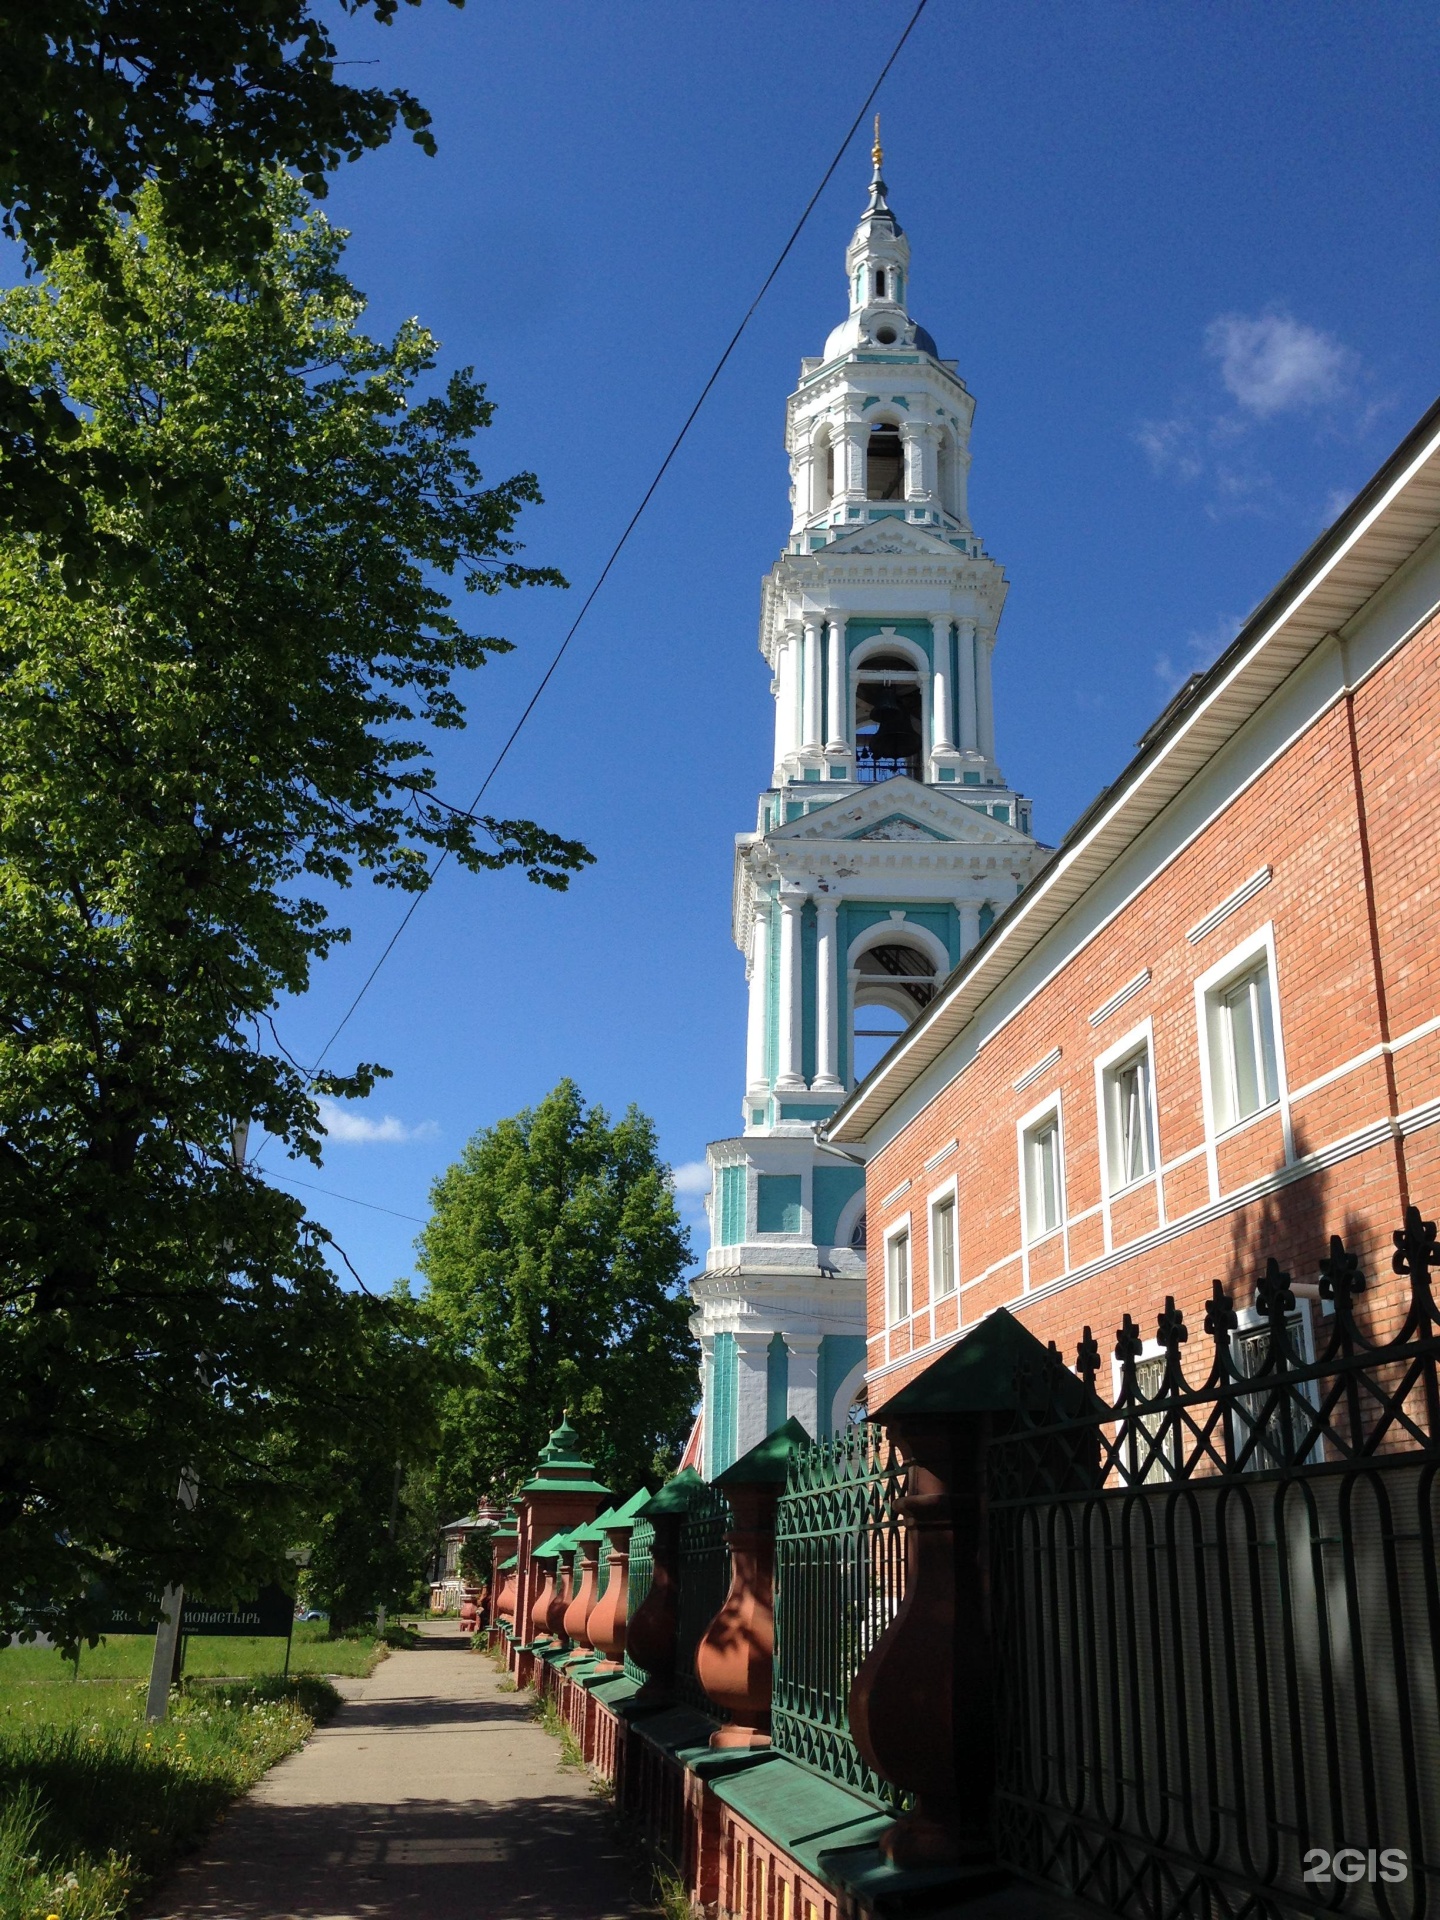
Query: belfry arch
[894, 969]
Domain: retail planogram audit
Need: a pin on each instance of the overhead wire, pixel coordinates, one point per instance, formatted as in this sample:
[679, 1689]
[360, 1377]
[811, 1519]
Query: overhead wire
[630, 527]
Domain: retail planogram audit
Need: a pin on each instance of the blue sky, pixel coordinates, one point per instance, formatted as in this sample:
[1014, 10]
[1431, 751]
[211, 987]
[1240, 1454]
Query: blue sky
[1186, 258]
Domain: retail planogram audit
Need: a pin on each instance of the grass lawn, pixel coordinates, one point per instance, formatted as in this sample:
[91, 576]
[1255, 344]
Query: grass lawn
[126, 1656]
[94, 1804]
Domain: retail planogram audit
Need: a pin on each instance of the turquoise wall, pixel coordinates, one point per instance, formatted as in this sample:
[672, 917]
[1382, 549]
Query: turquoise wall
[857, 632]
[777, 1203]
[835, 1187]
[839, 1353]
[857, 917]
[772, 994]
[723, 1404]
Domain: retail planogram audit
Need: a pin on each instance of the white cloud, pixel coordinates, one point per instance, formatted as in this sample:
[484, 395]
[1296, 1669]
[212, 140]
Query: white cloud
[351, 1129]
[1172, 446]
[691, 1179]
[1275, 364]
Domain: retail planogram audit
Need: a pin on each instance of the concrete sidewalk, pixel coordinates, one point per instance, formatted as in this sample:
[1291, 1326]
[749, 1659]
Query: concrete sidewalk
[431, 1792]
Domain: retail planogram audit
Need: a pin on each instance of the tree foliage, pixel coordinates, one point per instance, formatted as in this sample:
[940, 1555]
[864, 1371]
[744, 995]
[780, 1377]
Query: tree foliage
[373, 1521]
[553, 1259]
[99, 97]
[231, 717]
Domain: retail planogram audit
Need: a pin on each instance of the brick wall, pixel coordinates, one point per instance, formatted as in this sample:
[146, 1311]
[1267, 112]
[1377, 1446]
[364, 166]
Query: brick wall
[1354, 967]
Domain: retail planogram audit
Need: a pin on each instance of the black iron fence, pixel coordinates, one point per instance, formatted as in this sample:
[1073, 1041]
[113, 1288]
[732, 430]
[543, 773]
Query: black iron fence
[839, 1580]
[704, 1582]
[1216, 1606]
[642, 1565]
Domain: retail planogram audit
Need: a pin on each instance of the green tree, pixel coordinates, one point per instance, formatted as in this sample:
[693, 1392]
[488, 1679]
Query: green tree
[99, 97]
[229, 721]
[374, 1522]
[554, 1258]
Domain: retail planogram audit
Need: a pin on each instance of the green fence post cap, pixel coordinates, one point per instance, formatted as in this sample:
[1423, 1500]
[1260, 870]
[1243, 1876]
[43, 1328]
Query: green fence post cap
[769, 1463]
[552, 1548]
[622, 1518]
[999, 1368]
[677, 1494]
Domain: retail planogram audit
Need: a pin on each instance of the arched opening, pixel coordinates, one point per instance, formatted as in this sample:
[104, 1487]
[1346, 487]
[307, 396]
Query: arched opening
[895, 981]
[880, 283]
[889, 718]
[885, 465]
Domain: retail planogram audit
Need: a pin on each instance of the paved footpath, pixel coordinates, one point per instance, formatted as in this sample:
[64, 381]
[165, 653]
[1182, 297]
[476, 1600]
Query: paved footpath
[431, 1792]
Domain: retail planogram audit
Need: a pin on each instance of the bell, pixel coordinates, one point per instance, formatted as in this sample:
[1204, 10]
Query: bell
[894, 737]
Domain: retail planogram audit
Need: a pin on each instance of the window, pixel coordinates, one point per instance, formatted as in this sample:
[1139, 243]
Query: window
[1277, 1416]
[1242, 1046]
[942, 1246]
[1043, 1192]
[897, 1275]
[885, 466]
[1129, 1134]
[1154, 1448]
[880, 283]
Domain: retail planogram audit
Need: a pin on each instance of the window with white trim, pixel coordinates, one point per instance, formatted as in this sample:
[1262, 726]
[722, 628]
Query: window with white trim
[1044, 1177]
[942, 1246]
[1129, 1124]
[1240, 1033]
[897, 1275]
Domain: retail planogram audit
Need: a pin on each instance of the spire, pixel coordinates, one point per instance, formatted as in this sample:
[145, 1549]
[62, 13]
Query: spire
[878, 202]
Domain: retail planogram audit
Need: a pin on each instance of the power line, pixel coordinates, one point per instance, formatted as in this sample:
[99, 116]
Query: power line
[633, 521]
[290, 1181]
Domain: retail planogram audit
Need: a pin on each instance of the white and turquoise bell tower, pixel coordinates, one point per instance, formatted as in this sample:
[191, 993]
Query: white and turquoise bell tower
[886, 843]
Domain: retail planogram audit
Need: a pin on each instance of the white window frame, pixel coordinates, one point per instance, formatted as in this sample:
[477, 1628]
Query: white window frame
[1149, 1350]
[1140, 1039]
[1028, 1125]
[1258, 947]
[898, 1230]
[948, 1193]
[1247, 1320]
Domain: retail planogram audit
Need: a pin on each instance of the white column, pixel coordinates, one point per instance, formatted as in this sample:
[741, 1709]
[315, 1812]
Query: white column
[969, 925]
[786, 697]
[969, 736]
[856, 438]
[759, 991]
[792, 903]
[913, 440]
[837, 743]
[803, 470]
[752, 1355]
[984, 696]
[827, 997]
[813, 736]
[802, 1398]
[940, 630]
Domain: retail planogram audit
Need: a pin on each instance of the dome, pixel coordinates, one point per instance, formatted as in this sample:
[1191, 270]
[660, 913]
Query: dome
[926, 342]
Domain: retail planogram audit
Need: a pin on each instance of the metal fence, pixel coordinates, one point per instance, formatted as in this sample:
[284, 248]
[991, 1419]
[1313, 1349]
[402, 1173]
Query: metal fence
[1217, 1611]
[642, 1542]
[704, 1582]
[839, 1578]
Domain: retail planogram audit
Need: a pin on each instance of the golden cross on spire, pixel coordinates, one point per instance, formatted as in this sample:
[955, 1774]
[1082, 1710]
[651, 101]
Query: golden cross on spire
[877, 152]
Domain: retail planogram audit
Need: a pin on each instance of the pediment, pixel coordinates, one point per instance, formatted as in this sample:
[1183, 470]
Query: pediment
[893, 536]
[900, 809]
[897, 826]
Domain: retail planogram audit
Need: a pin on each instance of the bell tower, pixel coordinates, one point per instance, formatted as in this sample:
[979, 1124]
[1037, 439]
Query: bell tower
[885, 844]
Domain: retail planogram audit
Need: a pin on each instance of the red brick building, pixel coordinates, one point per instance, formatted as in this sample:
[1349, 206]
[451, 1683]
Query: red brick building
[1209, 1030]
